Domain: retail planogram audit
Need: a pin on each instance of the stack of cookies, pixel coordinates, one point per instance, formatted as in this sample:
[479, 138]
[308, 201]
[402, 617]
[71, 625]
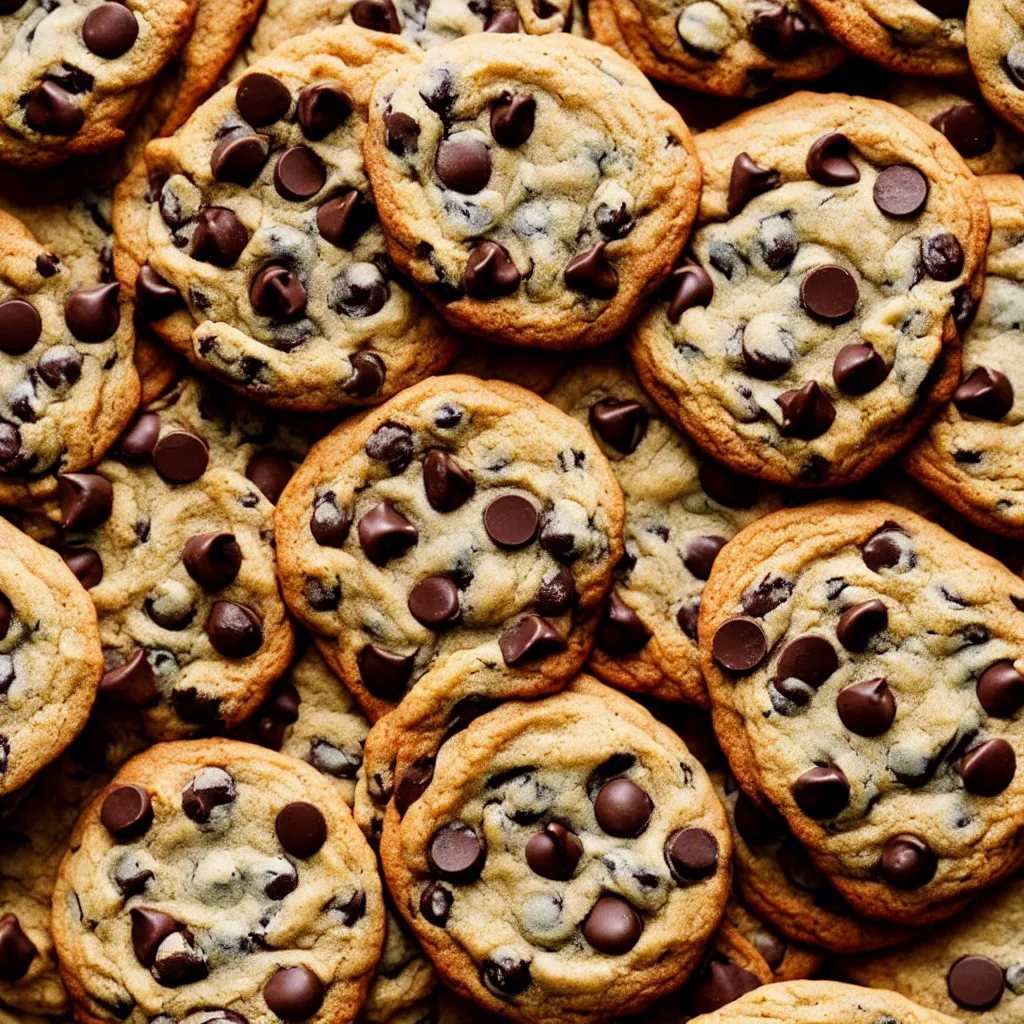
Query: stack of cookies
[511, 510]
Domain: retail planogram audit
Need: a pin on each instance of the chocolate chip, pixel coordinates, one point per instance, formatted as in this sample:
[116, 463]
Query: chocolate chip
[726, 487]
[505, 975]
[756, 825]
[20, 326]
[239, 158]
[181, 457]
[739, 644]
[149, 929]
[942, 256]
[208, 789]
[622, 808]
[219, 237]
[701, 553]
[261, 99]
[691, 854]
[512, 119]
[384, 673]
[717, 984]
[612, 926]
[342, 220]
[51, 111]
[822, 792]
[511, 521]
[86, 500]
[448, 486]
[299, 174]
[294, 993]
[1001, 690]
[621, 631]
[620, 423]
[554, 852]
[284, 882]
[968, 128]
[270, 471]
[591, 273]
[975, 983]
[60, 367]
[384, 533]
[323, 107]
[434, 602]
[401, 133]
[368, 373]
[359, 292]
[781, 32]
[329, 524]
[748, 179]
[829, 163]
[530, 638]
[490, 272]
[85, 564]
[178, 962]
[771, 947]
[505, 21]
[193, 706]
[883, 550]
[810, 659]
[557, 592]
[829, 293]
[155, 298]
[301, 828]
[867, 708]
[986, 393]
[126, 812]
[414, 783]
[379, 15]
[93, 314]
[907, 862]
[131, 685]
[858, 369]
[860, 622]
[276, 292]
[807, 412]
[688, 286]
[436, 904]
[901, 191]
[989, 768]
[456, 853]
[212, 559]
[463, 164]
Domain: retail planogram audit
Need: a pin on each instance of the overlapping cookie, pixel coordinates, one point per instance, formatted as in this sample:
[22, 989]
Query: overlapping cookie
[995, 44]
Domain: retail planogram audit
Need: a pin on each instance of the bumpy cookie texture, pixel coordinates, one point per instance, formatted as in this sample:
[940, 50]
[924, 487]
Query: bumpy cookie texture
[536, 186]
[915, 37]
[822, 1002]
[968, 456]
[811, 331]
[217, 879]
[861, 663]
[50, 657]
[173, 537]
[251, 240]
[725, 47]
[463, 519]
[75, 74]
[681, 508]
[786, 961]
[995, 43]
[568, 859]
[403, 982]
[67, 382]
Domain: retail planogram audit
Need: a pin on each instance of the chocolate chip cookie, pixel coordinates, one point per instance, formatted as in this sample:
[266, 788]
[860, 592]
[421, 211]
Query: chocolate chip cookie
[536, 187]
[786, 960]
[914, 37]
[724, 47]
[861, 664]
[251, 242]
[567, 860]
[218, 874]
[681, 508]
[968, 456]
[462, 521]
[811, 330]
[995, 44]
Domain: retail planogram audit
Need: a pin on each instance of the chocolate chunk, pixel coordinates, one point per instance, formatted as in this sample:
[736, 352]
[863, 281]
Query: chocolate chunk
[810, 659]
[434, 602]
[436, 904]
[619, 423]
[557, 592]
[299, 174]
[942, 256]
[138, 441]
[756, 825]
[989, 768]
[239, 158]
[867, 708]
[149, 929]
[490, 272]
[829, 293]
[986, 393]
[858, 369]
[85, 500]
[807, 412]
[322, 108]
[456, 853]
[728, 488]
[212, 559]
[771, 947]
[448, 486]
[219, 237]
[554, 852]
[748, 179]
[385, 674]
[822, 792]
[701, 553]
[829, 163]
[463, 163]
[51, 111]
[530, 638]
[975, 983]
[858, 624]
[414, 783]
[270, 470]
[691, 854]
[512, 119]
[968, 128]
[907, 862]
[276, 292]
[234, 629]
[131, 685]
[261, 99]
[688, 286]
[621, 631]
[384, 533]
[17, 950]
[739, 644]
[181, 456]
[511, 521]
[391, 443]
[126, 812]
[591, 273]
[379, 15]
[301, 829]
[85, 564]
[622, 808]
[93, 314]
[155, 298]
[717, 984]
[401, 133]
[901, 191]
[612, 926]
[208, 789]
[368, 372]
[294, 993]
[1001, 690]
[505, 976]
[20, 326]
[329, 524]
[342, 220]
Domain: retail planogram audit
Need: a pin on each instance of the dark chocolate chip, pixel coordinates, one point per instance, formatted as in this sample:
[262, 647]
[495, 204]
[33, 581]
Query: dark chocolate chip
[149, 929]
[181, 457]
[1001, 690]
[968, 128]
[299, 174]
[85, 500]
[490, 272]
[829, 293]
[261, 99]
[379, 15]
[554, 852]
[622, 808]
[512, 118]
[276, 292]
[93, 314]
[557, 592]
[368, 373]
[867, 708]
[301, 828]
[858, 369]
[239, 158]
[908, 862]
[85, 564]
[234, 629]
[619, 422]
[748, 179]
[20, 326]
[739, 644]
[621, 631]
[343, 219]
[448, 486]
[211, 788]
[688, 286]
[294, 993]
[463, 163]
[434, 602]
[975, 983]
[384, 533]
[131, 685]
[385, 674]
[456, 853]
[811, 659]
[126, 812]
[138, 441]
[901, 191]
[612, 926]
[328, 523]
[701, 553]
[511, 521]
[859, 623]
[822, 792]
[155, 298]
[219, 237]
[717, 984]
[986, 393]
[505, 976]
[781, 32]
[591, 273]
[212, 559]
[530, 638]
[807, 412]
[829, 163]
[943, 257]
[691, 854]
[401, 133]
[270, 470]
[322, 108]
[989, 768]
[51, 111]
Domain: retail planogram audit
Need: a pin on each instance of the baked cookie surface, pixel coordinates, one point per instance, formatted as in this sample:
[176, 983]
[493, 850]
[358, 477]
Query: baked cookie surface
[995, 43]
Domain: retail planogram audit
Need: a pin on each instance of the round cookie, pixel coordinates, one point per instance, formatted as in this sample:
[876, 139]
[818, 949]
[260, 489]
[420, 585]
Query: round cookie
[968, 455]
[217, 874]
[681, 508]
[250, 238]
[860, 662]
[536, 187]
[913, 37]
[568, 858]
[463, 519]
[723, 47]
[995, 44]
[811, 332]
[822, 1002]
[173, 537]
[50, 657]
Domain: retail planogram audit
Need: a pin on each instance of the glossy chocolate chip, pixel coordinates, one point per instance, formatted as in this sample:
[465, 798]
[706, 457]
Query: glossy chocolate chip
[829, 163]
[155, 298]
[739, 644]
[126, 812]
[401, 133]
[908, 862]
[867, 708]
[322, 108]
[987, 394]
[829, 293]
[212, 559]
[807, 412]
[384, 533]
[822, 792]
[299, 174]
[810, 659]
[621, 631]
[725, 486]
[748, 179]
[85, 564]
[701, 553]
[901, 191]
[181, 456]
[261, 99]
[975, 983]
[276, 292]
[343, 219]
[368, 373]
[511, 521]
[329, 524]
[414, 783]
[691, 854]
[882, 551]
[434, 602]
[756, 825]
[379, 15]
[138, 441]
[456, 853]
[858, 369]
[219, 237]
[622, 808]
[490, 272]
[51, 110]
[60, 367]
[612, 926]
[781, 32]
[384, 673]
[463, 163]
[208, 789]
[554, 852]
[512, 117]
[530, 638]
[942, 256]
[131, 685]
[17, 950]
[294, 993]
[717, 984]
[620, 423]
[989, 768]
[505, 21]
[149, 929]
[447, 485]
[234, 629]
[688, 286]
[93, 314]
[859, 623]
[20, 326]
[968, 128]
[239, 158]
[505, 976]
[436, 904]
[301, 828]
[591, 273]
[85, 500]
[270, 471]
[557, 592]
[1001, 690]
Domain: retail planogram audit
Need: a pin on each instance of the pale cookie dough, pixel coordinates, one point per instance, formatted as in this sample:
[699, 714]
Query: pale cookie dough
[811, 333]
[215, 874]
[536, 187]
[681, 508]
[462, 521]
[568, 859]
[862, 669]
[250, 237]
[995, 44]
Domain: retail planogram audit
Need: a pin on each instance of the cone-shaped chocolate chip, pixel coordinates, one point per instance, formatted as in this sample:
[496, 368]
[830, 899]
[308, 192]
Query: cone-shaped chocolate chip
[51, 110]
[299, 174]
[448, 486]
[986, 393]
[557, 592]
[867, 708]
[85, 564]
[511, 521]
[20, 326]
[384, 673]
[126, 812]
[219, 237]
[989, 768]
[436, 904]
[781, 32]
[270, 470]
[149, 929]
[829, 163]
[943, 256]
[234, 629]
[456, 853]
[85, 500]
[239, 158]
[554, 852]
[859, 623]
[727, 487]
[829, 293]
[822, 792]
[739, 644]
[138, 441]
[155, 298]
[975, 983]
[401, 133]
[901, 191]
[328, 523]
[490, 272]
[294, 993]
[384, 533]
[368, 372]
[691, 854]
[93, 314]
[414, 783]
[1001, 690]
[276, 292]
[807, 412]
[434, 602]
[343, 219]
[968, 128]
[212, 559]
[748, 179]
[181, 456]
[210, 788]
[261, 99]
[322, 108]
[17, 950]
[688, 286]
[463, 163]
[379, 15]
[701, 553]
[592, 274]
[620, 423]
[858, 369]
[301, 828]
[530, 638]
[908, 862]
[612, 926]
[131, 685]
[622, 808]
[512, 119]
[621, 631]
